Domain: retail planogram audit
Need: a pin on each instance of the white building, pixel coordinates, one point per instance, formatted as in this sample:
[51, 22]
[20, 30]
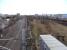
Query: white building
[48, 42]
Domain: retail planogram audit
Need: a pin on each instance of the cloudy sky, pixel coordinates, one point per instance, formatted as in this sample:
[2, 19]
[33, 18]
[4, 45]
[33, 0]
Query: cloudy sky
[33, 6]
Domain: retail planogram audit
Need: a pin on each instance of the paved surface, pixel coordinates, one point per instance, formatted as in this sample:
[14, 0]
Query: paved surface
[22, 25]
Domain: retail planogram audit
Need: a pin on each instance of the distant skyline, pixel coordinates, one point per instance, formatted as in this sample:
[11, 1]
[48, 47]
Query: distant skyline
[30, 7]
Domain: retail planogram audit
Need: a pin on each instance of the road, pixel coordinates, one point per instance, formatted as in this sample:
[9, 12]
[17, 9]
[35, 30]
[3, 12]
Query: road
[22, 25]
